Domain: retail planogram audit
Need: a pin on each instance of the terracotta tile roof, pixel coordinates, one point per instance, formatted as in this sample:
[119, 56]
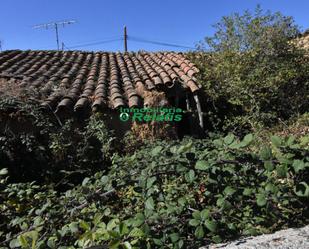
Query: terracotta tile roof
[76, 79]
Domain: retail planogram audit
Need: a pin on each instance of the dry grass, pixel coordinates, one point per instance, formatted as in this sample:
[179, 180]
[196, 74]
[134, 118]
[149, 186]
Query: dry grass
[11, 88]
[152, 130]
[299, 127]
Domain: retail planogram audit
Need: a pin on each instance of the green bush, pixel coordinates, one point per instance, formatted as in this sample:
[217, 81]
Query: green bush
[37, 146]
[253, 73]
[177, 194]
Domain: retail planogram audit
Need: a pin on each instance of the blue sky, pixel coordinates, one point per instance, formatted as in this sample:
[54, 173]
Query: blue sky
[183, 22]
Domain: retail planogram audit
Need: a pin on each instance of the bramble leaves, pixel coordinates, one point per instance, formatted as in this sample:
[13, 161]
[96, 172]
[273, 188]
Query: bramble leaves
[211, 225]
[202, 165]
[261, 200]
[298, 165]
[276, 141]
[304, 192]
[3, 171]
[149, 204]
[160, 200]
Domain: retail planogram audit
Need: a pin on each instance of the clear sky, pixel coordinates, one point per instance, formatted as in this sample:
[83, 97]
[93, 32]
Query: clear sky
[172, 21]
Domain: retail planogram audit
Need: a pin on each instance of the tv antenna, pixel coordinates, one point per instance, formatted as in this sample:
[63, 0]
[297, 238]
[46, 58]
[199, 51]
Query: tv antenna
[54, 25]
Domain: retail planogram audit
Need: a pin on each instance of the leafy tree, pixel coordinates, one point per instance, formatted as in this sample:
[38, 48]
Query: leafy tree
[264, 32]
[254, 66]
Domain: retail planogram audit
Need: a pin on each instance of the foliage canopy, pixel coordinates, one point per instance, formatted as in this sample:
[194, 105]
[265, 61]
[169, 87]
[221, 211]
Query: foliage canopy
[253, 74]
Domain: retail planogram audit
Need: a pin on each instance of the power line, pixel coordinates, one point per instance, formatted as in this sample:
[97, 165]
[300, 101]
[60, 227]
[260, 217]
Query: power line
[101, 39]
[95, 43]
[80, 44]
[124, 38]
[132, 38]
[64, 46]
[54, 25]
[142, 40]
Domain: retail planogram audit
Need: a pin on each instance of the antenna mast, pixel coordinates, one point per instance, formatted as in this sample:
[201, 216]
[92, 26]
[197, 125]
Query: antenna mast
[54, 25]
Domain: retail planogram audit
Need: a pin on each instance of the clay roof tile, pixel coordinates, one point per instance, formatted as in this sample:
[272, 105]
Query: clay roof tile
[76, 80]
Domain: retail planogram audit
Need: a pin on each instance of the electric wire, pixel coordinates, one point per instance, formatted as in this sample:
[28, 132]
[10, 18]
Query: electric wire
[65, 47]
[142, 40]
[95, 43]
[131, 38]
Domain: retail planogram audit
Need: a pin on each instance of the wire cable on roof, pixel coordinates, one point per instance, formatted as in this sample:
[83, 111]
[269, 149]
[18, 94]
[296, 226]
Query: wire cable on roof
[142, 40]
[97, 40]
[131, 38]
[64, 46]
[94, 43]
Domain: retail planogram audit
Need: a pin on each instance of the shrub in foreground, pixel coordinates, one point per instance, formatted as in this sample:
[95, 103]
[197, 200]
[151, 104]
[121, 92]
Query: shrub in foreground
[167, 195]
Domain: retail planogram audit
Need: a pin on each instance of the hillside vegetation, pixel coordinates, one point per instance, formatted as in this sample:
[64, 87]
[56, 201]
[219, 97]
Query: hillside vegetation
[66, 185]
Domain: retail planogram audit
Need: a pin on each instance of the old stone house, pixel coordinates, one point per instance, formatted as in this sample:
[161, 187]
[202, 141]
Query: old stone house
[78, 83]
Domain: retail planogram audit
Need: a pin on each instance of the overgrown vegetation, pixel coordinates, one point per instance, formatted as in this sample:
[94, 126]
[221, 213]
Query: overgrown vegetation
[168, 194]
[72, 184]
[37, 146]
[253, 74]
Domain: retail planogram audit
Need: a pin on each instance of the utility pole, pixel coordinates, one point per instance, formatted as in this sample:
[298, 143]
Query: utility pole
[54, 25]
[57, 35]
[125, 38]
[0, 46]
